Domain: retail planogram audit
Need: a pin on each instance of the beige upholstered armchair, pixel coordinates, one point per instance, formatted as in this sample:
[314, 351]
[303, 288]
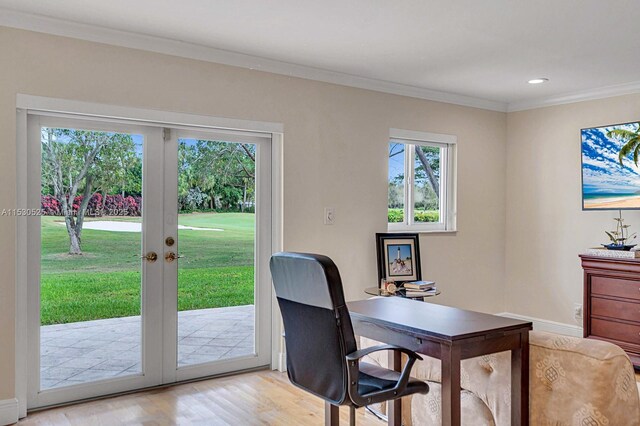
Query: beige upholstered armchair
[573, 381]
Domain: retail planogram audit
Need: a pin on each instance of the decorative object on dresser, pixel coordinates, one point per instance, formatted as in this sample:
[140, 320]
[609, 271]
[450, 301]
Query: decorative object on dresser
[612, 302]
[618, 238]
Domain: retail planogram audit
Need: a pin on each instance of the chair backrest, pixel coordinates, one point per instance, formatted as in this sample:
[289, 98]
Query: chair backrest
[318, 329]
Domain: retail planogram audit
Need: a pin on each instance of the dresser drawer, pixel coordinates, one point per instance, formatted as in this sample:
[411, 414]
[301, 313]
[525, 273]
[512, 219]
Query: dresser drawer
[615, 287]
[615, 330]
[615, 309]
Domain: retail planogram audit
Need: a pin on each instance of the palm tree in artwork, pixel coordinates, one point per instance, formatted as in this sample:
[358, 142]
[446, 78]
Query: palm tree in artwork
[631, 140]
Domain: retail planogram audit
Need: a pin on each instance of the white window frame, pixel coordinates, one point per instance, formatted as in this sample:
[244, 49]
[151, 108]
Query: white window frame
[448, 144]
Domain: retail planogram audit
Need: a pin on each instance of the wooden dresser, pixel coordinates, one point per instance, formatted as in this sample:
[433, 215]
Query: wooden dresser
[611, 308]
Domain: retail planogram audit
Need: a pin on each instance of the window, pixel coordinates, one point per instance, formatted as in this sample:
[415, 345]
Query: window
[421, 181]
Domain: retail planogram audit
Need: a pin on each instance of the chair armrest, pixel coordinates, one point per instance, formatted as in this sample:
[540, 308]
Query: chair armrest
[353, 372]
[366, 351]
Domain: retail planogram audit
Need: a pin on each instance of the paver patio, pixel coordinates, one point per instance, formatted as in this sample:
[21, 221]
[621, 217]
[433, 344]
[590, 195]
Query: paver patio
[93, 350]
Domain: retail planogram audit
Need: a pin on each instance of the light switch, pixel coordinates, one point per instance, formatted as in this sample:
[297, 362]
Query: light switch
[329, 215]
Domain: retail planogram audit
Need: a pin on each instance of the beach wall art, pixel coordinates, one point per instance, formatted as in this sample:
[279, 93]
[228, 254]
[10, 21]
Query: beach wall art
[610, 167]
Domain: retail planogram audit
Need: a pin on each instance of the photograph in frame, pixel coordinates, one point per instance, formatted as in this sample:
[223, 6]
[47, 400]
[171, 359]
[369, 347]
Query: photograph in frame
[398, 257]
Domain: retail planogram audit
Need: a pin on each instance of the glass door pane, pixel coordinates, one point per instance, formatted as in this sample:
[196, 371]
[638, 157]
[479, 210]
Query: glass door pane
[90, 287]
[216, 242]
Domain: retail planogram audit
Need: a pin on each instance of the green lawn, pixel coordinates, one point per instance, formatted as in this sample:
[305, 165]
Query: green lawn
[216, 270]
[420, 216]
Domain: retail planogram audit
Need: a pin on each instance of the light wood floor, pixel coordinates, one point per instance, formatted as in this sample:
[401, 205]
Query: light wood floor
[258, 398]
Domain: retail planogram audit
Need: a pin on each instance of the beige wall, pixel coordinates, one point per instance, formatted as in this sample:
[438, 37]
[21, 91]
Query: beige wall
[334, 155]
[546, 227]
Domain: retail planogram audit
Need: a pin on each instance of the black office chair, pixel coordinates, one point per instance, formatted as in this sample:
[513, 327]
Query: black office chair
[322, 357]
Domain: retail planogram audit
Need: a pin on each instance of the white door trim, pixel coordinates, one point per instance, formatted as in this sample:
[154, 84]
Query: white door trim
[147, 117]
[278, 352]
[21, 264]
[26, 104]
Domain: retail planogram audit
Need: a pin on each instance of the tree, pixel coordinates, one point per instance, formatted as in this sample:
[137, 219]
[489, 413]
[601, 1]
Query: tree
[428, 171]
[225, 171]
[426, 165]
[119, 172]
[631, 140]
[187, 174]
[73, 162]
[396, 195]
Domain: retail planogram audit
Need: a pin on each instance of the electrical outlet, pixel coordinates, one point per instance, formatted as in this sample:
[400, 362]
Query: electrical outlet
[329, 215]
[577, 311]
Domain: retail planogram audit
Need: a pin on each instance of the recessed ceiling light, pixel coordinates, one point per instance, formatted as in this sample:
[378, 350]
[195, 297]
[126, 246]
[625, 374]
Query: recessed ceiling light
[538, 80]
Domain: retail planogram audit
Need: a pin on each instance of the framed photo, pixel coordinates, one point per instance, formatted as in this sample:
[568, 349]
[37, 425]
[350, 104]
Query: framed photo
[398, 257]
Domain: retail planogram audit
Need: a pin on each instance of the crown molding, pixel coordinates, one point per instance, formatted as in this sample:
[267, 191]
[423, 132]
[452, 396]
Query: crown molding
[581, 96]
[59, 27]
[42, 24]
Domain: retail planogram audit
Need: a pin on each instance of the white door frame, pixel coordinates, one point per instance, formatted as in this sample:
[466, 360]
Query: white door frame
[26, 184]
[151, 314]
[262, 280]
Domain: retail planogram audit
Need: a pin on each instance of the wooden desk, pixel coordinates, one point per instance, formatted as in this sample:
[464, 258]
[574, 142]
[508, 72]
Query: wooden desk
[451, 335]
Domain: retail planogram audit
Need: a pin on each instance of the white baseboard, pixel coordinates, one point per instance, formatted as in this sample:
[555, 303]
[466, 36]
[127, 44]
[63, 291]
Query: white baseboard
[546, 325]
[8, 411]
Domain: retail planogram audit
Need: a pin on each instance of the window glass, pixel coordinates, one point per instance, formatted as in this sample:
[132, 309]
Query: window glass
[426, 184]
[421, 182]
[396, 182]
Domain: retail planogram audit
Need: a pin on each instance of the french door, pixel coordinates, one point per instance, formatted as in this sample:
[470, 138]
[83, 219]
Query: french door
[148, 258]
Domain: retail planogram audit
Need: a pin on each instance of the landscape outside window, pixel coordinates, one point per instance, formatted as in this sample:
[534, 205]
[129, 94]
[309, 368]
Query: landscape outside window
[92, 204]
[424, 178]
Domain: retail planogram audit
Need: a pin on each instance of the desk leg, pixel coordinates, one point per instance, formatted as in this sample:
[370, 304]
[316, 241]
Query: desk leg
[394, 408]
[450, 385]
[520, 382]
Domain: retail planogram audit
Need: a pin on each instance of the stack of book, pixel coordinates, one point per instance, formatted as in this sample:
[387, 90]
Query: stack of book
[420, 288]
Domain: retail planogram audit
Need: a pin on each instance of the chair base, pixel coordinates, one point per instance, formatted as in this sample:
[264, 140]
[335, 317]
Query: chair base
[332, 415]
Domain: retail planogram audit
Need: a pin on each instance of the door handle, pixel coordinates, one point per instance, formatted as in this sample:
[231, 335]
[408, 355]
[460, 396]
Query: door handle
[171, 256]
[150, 257]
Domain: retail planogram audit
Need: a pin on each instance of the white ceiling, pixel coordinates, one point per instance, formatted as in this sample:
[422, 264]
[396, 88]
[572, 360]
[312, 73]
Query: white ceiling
[485, 50]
